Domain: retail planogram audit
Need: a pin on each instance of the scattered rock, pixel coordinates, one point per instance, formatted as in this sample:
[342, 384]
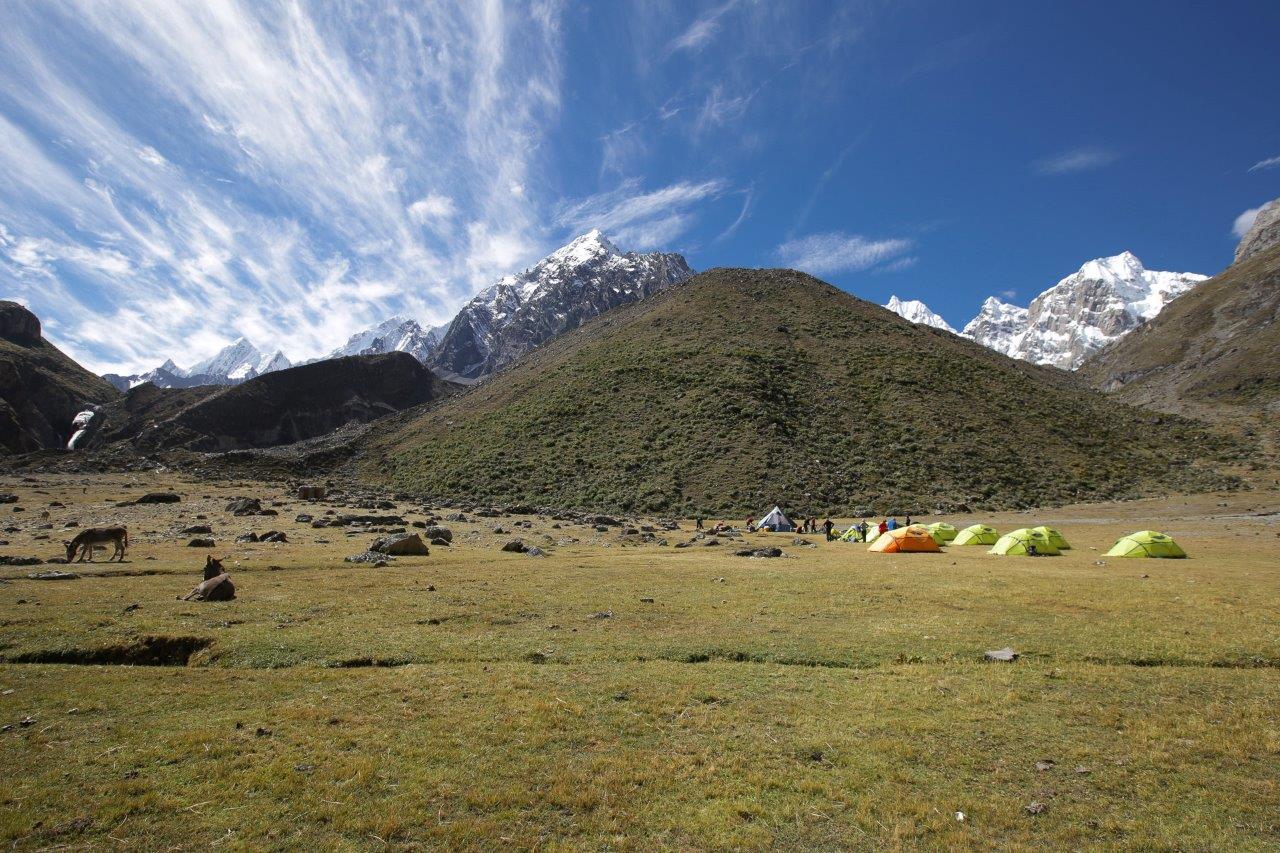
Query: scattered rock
[53, 576]
[273, 536]
[433, 533]
[515, 546]
[646, 600]
[247, 537]
[159, 498]
[1005, 655]
[535, 552]
[8, 499]
[10, 560]
[603, 614]
[1036, 807]
[1045, 764]
[197, 528]
[372, 557]
[245, 506]
[201, 542]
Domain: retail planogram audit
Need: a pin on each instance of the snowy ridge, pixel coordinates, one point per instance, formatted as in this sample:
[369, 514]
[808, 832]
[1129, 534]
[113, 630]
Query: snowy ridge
[1103, 301]
[231, 365]
[397, 334]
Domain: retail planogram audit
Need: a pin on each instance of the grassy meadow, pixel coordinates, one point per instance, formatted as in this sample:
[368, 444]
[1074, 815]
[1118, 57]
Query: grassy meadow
[621, 695]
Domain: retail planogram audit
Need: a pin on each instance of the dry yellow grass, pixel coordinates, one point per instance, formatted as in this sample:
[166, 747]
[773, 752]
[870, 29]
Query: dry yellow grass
[835, 698]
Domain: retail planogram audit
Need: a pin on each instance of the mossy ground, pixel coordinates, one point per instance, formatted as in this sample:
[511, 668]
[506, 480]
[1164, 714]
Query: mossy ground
[833, 698]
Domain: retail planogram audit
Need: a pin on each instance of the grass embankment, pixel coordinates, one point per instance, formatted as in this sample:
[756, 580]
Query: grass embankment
[831, 699]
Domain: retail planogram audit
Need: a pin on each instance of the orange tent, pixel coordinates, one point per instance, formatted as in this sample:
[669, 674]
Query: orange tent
[906, 539]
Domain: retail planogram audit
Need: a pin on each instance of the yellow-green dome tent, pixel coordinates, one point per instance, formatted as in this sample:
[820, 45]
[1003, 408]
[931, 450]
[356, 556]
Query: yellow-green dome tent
[942, 532]
[852, 534]
[1147, 543]
[977, 534]
[1058, 540]
[1018, 542]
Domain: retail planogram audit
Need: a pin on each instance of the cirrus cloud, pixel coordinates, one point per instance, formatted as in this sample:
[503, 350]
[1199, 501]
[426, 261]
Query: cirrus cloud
[836, 252]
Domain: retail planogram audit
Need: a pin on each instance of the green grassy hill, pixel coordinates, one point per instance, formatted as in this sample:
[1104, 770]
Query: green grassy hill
[741, 388]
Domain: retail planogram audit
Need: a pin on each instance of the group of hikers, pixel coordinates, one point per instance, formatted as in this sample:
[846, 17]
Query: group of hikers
[861, 531]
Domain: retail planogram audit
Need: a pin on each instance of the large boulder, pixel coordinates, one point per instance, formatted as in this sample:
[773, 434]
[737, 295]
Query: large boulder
[401, 545]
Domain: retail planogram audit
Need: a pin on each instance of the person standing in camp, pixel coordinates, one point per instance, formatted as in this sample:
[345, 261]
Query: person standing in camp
[827, 527]
[697, 524]
[908, 521]
[883, 528]
[891, 523]
[863, 529]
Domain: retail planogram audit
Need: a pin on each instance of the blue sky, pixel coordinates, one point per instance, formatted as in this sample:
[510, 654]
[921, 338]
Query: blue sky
[173, 175]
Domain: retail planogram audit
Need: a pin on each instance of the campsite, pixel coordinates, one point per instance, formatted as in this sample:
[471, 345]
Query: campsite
[618, 687]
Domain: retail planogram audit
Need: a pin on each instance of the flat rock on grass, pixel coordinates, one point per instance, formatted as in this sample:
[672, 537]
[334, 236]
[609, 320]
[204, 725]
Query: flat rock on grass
[1005, 655]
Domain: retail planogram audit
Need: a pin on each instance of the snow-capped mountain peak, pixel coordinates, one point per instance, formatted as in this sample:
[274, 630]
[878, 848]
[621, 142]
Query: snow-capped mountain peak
[574, 283]
[917, 312]
[583, 249]
[1102, 301]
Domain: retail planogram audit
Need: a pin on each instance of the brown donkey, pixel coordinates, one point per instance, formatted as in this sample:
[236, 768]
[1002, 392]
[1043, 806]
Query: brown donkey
[88, 540]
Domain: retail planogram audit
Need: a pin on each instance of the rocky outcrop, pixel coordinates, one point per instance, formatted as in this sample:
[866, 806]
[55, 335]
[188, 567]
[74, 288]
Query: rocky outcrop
[1262, 235]
[41, 389]
[582, 280]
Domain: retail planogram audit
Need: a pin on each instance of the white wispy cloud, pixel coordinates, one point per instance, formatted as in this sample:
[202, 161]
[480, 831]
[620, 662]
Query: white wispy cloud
[1269, 163]
[637, 218]
[1244, 221]
[432, 207]
[1076, 160]
[835, 252]
[312, 174]
[703, 29]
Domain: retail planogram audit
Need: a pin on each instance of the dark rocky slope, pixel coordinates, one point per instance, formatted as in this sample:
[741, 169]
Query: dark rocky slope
[280, 407]
[41, 388]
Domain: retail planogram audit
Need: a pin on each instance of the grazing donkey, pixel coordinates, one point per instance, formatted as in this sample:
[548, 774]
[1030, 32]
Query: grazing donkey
[88, 540]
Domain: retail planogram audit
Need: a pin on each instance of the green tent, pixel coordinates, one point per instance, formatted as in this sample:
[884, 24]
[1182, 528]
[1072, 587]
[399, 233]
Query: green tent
[1056, 538]
[1017, 543]
[942, 532]
[977, 534]
[852, 534]
[1147, 543]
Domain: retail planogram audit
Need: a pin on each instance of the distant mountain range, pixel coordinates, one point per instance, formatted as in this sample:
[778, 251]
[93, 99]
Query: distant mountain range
[232, 365]
[1103, 301]
[503, 322]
